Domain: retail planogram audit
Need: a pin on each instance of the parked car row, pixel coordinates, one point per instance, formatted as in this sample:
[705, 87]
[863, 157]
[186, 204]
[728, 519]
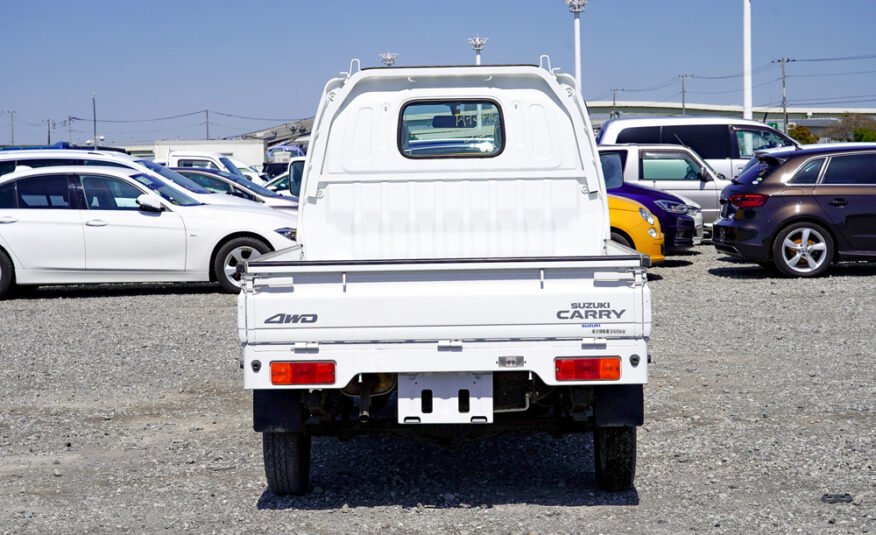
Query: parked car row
[796, 208]
[79, 216]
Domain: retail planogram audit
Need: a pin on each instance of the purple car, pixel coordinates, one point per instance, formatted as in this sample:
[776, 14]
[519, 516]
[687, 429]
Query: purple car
[678, 227]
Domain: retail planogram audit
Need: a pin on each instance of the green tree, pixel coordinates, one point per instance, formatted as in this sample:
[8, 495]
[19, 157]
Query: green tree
[865, 134]
[803, 135]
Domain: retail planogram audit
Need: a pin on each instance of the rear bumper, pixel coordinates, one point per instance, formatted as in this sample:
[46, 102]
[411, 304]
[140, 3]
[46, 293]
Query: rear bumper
[744, 241]
[428, 357]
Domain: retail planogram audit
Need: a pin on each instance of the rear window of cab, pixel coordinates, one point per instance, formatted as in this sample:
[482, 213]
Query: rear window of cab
[451, 129]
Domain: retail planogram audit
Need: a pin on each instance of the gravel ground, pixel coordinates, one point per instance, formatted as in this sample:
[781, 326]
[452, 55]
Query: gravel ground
[122, 410]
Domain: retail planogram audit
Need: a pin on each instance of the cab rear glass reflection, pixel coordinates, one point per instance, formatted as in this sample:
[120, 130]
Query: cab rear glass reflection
[451, 129]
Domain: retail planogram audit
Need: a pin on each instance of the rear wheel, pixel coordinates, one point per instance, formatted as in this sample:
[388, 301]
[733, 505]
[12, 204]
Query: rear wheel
[614, 454]
[621, 239]
[7, 274]
[233, 254]
[287, 462]
[803, 250]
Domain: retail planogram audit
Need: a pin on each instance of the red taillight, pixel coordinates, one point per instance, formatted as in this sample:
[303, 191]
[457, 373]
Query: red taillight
[747, 200]
[593, 369]
[302, 373]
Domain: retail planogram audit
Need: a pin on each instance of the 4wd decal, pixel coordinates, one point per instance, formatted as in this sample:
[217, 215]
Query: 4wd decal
[292, 318]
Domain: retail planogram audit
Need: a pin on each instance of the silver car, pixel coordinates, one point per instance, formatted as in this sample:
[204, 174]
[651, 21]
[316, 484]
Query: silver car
[675, 169]
[218, 181]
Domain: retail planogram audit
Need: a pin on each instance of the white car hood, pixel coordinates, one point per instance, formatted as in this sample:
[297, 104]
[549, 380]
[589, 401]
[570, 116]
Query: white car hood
[255, 214]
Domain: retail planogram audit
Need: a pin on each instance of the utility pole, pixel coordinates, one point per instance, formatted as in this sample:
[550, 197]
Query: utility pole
[11, 125]
[477, 44]
[576, 7]
[48, 131]
[207, 115]
[94, 115]
[69, 130]
[683, 92]
[783, 61]
[614, 101]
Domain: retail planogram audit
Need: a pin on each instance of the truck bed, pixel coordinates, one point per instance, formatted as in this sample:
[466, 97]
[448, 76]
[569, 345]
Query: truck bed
[439, 315]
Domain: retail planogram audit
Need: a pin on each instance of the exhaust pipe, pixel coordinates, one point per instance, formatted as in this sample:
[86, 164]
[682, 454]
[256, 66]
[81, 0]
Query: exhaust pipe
[365, 403]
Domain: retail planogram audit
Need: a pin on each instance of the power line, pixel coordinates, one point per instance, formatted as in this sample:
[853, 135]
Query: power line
[829, 74]
[846, 58]
[254, 118]
[757, 70]
[140, 120]
[734, 90]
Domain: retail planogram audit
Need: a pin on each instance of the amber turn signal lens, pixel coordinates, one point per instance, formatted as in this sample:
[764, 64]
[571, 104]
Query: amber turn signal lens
[588, 369]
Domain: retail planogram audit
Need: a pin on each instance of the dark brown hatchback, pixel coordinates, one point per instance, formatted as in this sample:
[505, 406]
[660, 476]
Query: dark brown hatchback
[802, 210]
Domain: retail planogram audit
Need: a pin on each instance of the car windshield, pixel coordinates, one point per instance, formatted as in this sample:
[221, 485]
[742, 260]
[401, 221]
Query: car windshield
[174, 177]
[230, 166]
[297, 171]
[170, 194]
[248, 184]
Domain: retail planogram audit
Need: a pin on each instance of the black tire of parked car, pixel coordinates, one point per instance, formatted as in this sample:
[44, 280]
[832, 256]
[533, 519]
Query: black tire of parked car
[7, 274]
[287, 462]
[614, 455]
[621, 239]
[231, 285]
[779, 259]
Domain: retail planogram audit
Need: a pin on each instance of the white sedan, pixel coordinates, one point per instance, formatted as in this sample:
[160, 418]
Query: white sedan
[90, 224]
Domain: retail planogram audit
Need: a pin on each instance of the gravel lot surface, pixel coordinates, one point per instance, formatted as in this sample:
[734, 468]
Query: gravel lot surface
[122, 410]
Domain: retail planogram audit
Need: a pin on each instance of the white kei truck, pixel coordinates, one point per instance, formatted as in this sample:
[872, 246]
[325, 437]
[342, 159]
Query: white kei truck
[453, 277]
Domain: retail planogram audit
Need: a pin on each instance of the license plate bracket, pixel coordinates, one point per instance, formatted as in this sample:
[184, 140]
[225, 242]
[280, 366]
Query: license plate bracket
[445, 398]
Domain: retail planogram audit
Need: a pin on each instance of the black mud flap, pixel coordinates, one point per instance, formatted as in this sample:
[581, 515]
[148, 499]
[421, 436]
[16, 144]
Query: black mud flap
[276, 411]
[618, 405]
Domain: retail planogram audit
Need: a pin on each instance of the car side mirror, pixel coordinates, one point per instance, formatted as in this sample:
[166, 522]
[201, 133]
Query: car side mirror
[704, 176]
[148, 203]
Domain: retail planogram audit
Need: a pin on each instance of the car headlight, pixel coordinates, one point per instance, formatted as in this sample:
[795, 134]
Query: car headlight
[652, 232]
[674, 207]
[646, 215]
[286, 232]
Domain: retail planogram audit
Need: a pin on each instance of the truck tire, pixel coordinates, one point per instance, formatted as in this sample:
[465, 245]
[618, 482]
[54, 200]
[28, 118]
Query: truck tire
[7, 274]
[233, 253]
[614, 454]
[287, 462]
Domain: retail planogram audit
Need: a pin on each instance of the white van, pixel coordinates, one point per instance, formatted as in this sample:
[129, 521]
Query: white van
[725, 143]
[212, 160]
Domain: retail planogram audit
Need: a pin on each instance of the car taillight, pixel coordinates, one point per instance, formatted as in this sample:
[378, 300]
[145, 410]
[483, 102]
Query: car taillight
[588, 369]
[302, 373]
[747, 200]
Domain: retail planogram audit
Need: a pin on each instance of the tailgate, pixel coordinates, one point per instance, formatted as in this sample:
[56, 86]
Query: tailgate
[455, 299]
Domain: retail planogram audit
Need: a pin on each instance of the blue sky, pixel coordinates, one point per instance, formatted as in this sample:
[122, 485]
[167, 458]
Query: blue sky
[271, 59]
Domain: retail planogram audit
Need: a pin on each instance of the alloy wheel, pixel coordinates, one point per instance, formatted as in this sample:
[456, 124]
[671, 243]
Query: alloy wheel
[236, 257]
[804, 250]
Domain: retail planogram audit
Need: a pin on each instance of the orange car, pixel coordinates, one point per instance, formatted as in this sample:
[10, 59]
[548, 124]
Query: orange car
[636, 227]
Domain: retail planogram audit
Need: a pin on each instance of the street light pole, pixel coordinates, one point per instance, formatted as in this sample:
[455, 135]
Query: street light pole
[477, 44]
[388, 58]
[576, 7]
[746, 60]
